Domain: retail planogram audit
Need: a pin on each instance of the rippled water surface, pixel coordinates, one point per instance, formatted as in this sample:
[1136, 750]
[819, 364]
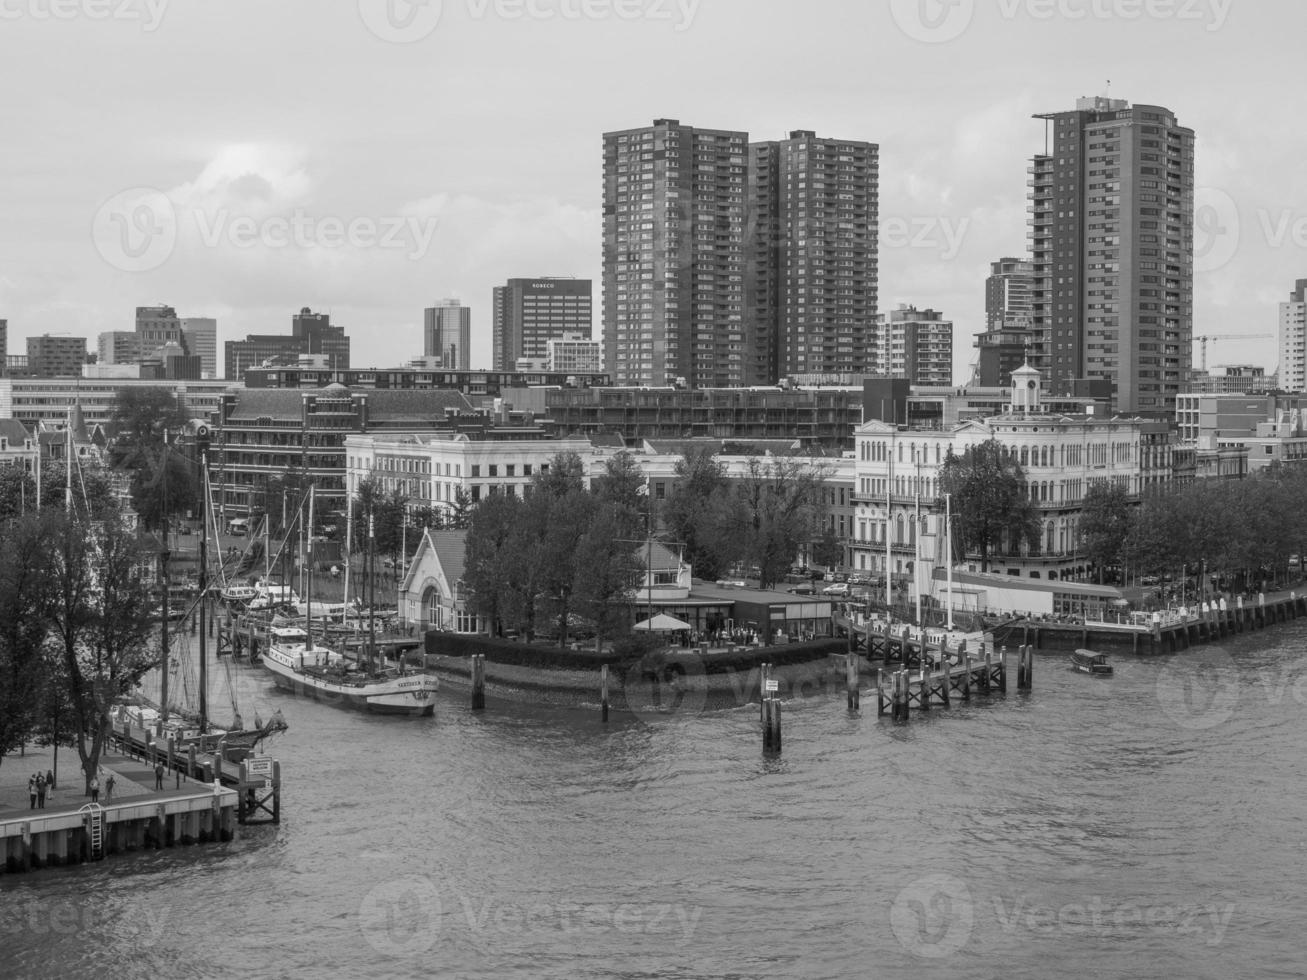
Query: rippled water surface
[1150, 824]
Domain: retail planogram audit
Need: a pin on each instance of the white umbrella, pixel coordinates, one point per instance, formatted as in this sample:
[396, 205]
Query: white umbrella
[662, 623]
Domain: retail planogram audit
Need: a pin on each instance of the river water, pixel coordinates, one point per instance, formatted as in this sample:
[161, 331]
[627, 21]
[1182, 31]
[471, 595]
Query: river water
[1151, 822]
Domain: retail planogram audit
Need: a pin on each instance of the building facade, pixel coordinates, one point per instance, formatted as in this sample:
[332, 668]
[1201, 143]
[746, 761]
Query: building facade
[200, 336]
[447, 334]
[1293, 339]
[914, 344]
[311, 334]
[51, 356]
[675, 201]
[574, 356]
[530, 313]
[1009, 318]
[49, 400]
[812, 270]
[1111, 231]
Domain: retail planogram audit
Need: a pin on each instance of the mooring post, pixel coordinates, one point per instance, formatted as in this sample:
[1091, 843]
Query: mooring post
[966, 674]
[880, 692]
[603, 692]
[478, 681]
[192, 769]
[924, 700]
[1002, 671]
[276, 792]
[764, 675]
[851, 679]
[771, 727]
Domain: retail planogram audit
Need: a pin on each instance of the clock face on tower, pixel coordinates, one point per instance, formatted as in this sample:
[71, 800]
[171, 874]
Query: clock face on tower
[1030, 384]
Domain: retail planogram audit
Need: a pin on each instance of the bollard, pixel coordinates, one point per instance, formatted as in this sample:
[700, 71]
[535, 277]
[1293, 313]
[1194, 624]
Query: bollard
[1002, 671]
[764, 672]
[478, 681]
[985, 677]
[880, 692]
[966, 675]
[771, 728]
[851, 680]
[603, 692]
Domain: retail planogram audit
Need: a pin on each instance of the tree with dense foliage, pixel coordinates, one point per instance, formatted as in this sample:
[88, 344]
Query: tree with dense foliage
[490, 558]
[147, 425]
[991, 506]
[17, 492]
[100, 617]
[1105, 523]
[704, 514]
[783, 506]
[24, 585]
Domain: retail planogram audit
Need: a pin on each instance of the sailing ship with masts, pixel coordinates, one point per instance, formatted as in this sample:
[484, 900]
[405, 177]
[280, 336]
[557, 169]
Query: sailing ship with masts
[301, 665]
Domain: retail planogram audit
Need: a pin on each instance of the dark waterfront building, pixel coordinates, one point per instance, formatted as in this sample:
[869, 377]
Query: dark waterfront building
[262, 433]
[1111, 205]
[311, 333]
[812, 256]
[528, 313]
[815, 417]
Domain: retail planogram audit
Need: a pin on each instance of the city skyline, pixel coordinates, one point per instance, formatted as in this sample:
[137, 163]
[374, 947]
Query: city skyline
[467, 214]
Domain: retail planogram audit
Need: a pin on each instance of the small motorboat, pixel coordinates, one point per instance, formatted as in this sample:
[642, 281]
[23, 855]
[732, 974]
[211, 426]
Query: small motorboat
[1089, 662]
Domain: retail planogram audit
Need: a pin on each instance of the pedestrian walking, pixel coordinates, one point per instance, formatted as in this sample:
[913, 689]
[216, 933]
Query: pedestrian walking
[158, 775]
[31, 792]
[95, 790]
[49, 779]
[40, 791]
[108, 788]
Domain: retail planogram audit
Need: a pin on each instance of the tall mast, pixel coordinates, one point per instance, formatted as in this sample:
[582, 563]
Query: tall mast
[163, 585]
[349, 538]
[68, 467]
[372, 599]
[889, 531]
[203, 446]
[308, 555]
[948, 553]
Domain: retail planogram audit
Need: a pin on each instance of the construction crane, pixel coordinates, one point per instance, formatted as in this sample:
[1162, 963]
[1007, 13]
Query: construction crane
[1229, 336]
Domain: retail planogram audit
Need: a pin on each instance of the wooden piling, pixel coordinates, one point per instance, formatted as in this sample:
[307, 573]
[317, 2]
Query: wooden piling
[771, 728]
[1025, 668]
[764, 675]
[603, 692]
[851, 680]
[478, 681]
[1002, 671]
[880, 692]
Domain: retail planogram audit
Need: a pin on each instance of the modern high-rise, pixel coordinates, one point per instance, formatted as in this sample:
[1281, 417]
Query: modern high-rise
[200, 335]
[1008, 322]
[1293, 339]
[55, 356]
[119, 347]
[914, 344]
[675, 210]
[447, 334]
[1111, 205]
[528, 313]
[812, 256]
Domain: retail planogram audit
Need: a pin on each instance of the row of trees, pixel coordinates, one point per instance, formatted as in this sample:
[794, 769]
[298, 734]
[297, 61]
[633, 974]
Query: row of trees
[76, 622]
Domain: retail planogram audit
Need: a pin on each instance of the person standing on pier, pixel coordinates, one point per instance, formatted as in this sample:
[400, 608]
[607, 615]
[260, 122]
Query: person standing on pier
[158, 775]
[49, 780]
[40, 791]
[95, 790]
[31, 792]
[108, 788]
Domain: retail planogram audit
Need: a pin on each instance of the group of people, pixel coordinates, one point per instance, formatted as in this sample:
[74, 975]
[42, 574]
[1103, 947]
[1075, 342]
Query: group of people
[40, 787]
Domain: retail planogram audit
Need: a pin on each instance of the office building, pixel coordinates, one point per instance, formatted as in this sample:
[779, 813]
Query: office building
[914, 344]
[50, 356]
[311, 333]
[447, 334]
[118, 347]
[1111, 204]
[36, 400]
[200, 336]
[575, 355]
[812, 256]
[4, 343]
[156, 326]
[1293, 339]
[529, 313]
[1004, 345]
[675, 202]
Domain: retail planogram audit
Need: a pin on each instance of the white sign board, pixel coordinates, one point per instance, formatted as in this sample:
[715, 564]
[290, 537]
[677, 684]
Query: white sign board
[771, 687]
[259, 765]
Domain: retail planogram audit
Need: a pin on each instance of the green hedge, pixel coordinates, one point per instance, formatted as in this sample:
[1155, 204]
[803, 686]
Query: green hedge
[629, 652]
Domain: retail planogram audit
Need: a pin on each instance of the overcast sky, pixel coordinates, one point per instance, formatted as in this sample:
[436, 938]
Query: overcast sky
[368, 158]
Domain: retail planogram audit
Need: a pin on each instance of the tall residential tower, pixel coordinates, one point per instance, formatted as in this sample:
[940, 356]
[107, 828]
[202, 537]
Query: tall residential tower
[1111, 204]
[1293, 339]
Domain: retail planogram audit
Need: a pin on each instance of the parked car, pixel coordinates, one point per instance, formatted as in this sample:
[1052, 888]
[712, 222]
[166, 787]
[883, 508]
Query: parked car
[839, 588]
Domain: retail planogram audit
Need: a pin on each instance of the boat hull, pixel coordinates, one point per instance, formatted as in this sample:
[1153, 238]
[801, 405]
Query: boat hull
[408, 695]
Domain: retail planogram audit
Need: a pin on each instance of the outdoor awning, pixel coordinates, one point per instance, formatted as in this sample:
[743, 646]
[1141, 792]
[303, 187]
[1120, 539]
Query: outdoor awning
[662, 623]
